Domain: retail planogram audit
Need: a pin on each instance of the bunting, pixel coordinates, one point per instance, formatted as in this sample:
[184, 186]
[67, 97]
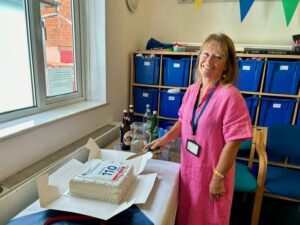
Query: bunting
[289, 7]
[245, 6]
[198, 3]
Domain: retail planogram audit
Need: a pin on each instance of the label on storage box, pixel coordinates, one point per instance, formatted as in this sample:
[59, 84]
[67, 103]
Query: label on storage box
[246, 68]
[277, 105]
[176, 65]
[171, 98]
[284, 67]
[146, 63]
[145, 94]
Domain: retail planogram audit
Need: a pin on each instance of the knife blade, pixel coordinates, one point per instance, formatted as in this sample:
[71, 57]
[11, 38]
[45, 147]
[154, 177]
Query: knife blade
[141, 153]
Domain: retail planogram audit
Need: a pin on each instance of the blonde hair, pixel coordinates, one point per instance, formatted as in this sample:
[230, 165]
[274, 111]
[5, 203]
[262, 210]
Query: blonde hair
[227, 48]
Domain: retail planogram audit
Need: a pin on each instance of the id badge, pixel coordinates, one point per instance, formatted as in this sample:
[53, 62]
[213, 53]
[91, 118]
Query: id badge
[193, 147]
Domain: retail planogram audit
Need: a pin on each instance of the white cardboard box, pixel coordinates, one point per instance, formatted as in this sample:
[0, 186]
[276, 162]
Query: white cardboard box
[53, 189]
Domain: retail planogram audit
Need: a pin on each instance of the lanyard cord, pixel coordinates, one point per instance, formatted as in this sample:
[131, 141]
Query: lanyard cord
[195, 122]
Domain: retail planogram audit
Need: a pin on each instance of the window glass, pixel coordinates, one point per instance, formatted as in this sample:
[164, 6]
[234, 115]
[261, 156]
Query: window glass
[39, 54]
[16, 83]
[58, 48]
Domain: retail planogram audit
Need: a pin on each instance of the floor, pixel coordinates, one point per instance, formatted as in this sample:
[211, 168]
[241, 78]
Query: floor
[273, 212]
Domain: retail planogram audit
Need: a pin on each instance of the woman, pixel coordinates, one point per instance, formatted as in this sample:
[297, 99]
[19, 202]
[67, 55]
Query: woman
[213, 120]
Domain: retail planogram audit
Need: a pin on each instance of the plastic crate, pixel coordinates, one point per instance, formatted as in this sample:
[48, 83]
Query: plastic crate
[298, 117]
[170, 104]
[251, 103]
[146, 70]
[143, 96]
[166, 124]
[282, 77]
[250, 74]
[276, 111]
[194, 71]
[176, 72]
[294, 161]
[273, 157]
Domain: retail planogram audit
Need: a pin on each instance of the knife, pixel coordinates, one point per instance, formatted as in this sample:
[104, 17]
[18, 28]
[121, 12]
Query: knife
[142, 153]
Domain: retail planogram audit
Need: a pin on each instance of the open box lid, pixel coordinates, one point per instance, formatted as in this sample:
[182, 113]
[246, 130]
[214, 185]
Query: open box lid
[53, 189]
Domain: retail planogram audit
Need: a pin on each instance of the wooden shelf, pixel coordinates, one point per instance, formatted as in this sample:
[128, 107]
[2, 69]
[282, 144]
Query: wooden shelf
[192, 56]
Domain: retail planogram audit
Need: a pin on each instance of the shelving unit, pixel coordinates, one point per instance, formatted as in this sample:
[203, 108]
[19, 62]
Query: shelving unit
[263, 97]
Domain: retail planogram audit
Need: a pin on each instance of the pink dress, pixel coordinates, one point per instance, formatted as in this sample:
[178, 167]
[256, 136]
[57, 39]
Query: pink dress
[225, 118]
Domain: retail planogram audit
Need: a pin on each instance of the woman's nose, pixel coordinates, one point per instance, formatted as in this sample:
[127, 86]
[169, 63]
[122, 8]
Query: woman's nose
[210, 59]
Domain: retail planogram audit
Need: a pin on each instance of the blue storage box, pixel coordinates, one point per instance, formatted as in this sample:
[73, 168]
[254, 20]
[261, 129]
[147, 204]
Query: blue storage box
[176, 72]
[142, 97]
[282, 77]
[146, 70]
[276, 111]
[294, 161]
[165, 124]
[298, 117]
[251, 103]
[194, 71]
[273, 157]
[170, 104]
[250, 74]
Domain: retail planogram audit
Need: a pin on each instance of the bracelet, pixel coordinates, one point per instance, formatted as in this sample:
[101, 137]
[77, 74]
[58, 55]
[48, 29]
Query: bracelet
[219, 174]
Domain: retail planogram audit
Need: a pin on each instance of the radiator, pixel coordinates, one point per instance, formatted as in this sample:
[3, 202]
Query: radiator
[19, 190]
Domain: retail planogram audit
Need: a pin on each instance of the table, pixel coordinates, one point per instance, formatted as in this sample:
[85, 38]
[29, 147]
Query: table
[161, 204]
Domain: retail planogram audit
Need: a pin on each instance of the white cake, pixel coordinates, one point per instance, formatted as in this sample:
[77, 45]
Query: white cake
[103, 180]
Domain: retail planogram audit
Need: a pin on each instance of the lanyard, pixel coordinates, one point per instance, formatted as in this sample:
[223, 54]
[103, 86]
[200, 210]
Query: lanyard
[195, 122]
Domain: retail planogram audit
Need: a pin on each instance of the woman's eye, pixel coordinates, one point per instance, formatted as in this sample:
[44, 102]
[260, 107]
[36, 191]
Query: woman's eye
[205, 54]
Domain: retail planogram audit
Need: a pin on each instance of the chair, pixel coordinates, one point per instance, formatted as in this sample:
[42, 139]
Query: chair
[282, 144]
[245, 180]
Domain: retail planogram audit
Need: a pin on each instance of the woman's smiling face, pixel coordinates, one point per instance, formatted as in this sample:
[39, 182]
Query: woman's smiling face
[212, 62]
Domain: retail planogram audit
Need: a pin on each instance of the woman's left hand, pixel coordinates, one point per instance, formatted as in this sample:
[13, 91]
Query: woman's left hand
[216, 188]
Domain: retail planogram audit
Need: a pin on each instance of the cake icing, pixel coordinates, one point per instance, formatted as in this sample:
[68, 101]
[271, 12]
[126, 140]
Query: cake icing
[103, 180]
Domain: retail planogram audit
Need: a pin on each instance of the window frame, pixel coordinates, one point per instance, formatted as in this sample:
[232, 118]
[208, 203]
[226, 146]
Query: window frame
[36, 55]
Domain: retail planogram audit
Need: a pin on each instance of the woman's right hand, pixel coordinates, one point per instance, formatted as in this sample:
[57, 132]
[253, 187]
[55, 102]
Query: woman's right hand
[156, 145]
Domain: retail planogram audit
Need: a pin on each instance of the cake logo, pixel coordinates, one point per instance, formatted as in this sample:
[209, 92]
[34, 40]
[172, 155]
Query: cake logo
[119, 173]
[103, 171]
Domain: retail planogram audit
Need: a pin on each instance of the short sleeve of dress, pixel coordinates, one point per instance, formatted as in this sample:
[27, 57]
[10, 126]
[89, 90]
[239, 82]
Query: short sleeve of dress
[183, 103]
[236, 121]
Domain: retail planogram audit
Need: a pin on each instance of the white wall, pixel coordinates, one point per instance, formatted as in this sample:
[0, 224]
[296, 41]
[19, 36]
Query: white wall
[167, 21]
[170, 21]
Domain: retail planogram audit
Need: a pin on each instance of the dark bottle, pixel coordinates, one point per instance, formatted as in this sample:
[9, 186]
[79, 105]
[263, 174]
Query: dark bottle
[124, 119]
[130, 114]
[126, 132]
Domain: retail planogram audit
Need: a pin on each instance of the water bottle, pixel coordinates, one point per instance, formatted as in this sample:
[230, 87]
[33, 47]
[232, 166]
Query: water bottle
[154, 126]
[147, 120]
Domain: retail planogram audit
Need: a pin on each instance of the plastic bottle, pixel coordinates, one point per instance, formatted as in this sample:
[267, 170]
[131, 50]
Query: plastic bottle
[154, 127]
[147, 120]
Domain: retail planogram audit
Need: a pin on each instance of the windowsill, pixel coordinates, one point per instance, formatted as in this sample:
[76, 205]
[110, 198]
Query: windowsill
[15, 127]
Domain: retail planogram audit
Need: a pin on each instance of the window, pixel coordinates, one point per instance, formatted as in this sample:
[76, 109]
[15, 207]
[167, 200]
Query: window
[40, 69]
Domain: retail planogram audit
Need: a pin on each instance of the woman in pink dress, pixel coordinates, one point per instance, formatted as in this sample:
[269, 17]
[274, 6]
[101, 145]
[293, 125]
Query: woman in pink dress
[213, 120]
